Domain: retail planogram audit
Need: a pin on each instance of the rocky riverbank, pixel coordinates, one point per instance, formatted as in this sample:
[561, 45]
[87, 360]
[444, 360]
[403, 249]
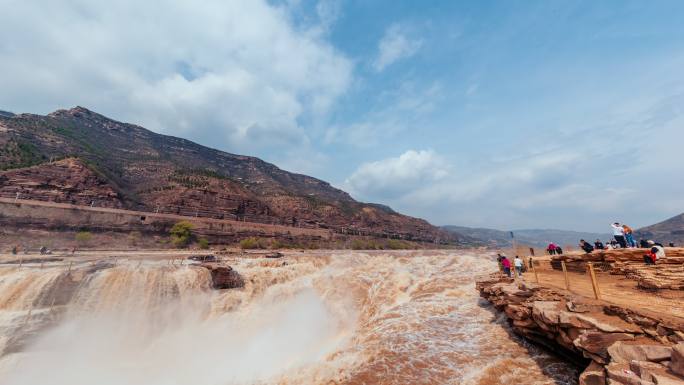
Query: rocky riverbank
[618, 345]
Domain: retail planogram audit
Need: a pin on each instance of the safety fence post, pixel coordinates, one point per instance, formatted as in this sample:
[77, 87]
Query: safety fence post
[565, 274]
[534, 270]
[594, 283]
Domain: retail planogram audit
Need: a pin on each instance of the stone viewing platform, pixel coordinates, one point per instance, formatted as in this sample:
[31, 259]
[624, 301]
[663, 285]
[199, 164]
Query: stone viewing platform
[667, 273]
[633, 335]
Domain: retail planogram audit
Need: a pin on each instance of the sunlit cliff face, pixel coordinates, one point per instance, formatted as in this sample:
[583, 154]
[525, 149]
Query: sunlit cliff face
[409, 318]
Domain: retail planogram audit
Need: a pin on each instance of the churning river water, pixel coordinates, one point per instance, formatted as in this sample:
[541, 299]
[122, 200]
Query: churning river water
[337, 318]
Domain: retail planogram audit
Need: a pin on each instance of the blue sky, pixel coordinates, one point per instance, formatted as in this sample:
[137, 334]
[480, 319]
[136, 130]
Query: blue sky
[502, 114]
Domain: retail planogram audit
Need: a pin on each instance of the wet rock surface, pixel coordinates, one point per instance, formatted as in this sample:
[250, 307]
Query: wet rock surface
[223, 276]
[624, 346]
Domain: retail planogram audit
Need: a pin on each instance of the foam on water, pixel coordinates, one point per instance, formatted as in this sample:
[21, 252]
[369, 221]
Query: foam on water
[348, 318]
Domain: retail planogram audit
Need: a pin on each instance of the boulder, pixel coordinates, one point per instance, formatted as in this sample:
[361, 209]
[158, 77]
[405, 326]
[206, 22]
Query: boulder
[598, 342]
[666, 379]
[517, 312]
[622, 374]
[646, 369]
[625, 352]
[602, 322]
[677, 363]
[594, 374]
[224, 277]
[546, 312]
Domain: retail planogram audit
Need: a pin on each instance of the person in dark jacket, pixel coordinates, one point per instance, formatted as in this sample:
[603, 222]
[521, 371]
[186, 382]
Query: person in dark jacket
[586, 246]
[598, 245]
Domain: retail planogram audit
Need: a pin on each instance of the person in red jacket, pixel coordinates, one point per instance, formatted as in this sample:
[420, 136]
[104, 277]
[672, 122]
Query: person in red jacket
[506, 265]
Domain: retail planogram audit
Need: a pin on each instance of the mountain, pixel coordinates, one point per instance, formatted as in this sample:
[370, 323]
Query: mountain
[6, 114]
[532, 237]
[669, 230]
[82, 157]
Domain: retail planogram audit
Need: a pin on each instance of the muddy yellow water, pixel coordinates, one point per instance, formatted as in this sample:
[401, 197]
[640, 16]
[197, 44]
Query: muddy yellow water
[336, 318]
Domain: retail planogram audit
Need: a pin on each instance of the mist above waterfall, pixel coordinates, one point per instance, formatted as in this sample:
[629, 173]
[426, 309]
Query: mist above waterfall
[347, 318]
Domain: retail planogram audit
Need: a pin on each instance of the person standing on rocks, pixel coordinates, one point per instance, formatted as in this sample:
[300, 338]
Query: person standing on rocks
[629, 237]
[518, 263]
[619, 234]
[506, 265]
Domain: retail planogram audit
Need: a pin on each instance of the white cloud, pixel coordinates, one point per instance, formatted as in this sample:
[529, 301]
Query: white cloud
[328, 12]
[393, 177]
[395, 45]
[533, 187]
[397, 110]
[232, 74]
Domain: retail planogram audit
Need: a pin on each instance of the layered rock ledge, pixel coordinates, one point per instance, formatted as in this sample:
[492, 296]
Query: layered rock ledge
[622, 346]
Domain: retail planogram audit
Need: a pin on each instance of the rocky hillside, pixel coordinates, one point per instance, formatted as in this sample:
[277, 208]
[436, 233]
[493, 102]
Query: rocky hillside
[80, 156]
[670, 230]
[532, 237]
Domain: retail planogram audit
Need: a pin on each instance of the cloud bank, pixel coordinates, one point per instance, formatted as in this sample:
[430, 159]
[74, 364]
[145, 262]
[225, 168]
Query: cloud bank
[233, 74]
[392, 177]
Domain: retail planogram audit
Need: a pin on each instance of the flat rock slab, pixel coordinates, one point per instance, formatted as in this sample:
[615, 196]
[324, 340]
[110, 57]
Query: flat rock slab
[677, 364]
[602, 322]
[627, 352]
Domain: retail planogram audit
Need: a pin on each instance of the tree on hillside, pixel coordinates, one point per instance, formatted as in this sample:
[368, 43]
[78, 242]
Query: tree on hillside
[181, 234]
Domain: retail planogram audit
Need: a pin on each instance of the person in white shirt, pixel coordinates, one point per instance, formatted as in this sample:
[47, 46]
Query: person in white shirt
[518, 265]
[619, 234]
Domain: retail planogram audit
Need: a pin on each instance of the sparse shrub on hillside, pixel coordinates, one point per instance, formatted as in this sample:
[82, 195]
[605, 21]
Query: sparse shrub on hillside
[395, 244]
[358, 244]
[134, 237]
[83, 237]
[181, 234]
[253, 243]
[203, 243]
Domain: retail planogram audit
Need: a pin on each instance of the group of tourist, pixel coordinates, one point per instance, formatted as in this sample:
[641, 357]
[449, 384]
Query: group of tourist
[623, 235]
[505, 264]
[624, 238]
[554, 249]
